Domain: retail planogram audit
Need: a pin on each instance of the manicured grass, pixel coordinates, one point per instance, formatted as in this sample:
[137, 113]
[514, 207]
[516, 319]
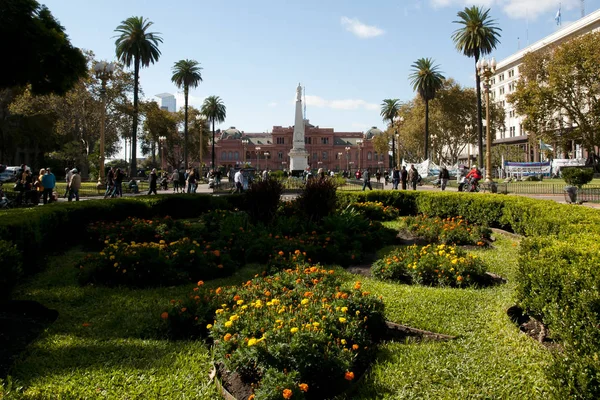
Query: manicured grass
[122, 354]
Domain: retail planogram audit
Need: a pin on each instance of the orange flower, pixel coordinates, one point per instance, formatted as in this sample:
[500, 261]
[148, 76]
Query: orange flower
[217, 253]
[236, 297]
[219, 290]
[287, 394]
[183, 309]
[354, 347]
[459, 278]
[251, 397]
[164, 315]
[220, 266]
[195, 289]
[349, 375]
[200, 283]
[281, 253]
[86, 324]
[303, 387]
[357, 285]
[227, 337]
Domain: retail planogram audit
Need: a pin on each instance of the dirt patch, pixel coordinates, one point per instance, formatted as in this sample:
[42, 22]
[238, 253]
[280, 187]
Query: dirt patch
[21, 322]
[530, 326]
[406, 238]
[363, 269]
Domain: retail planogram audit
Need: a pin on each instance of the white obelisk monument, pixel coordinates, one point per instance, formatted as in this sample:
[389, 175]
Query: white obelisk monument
[298, 154]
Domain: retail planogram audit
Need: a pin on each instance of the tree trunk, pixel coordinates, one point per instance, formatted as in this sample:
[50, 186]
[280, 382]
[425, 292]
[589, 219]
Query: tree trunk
[136, 78]
[426, 129]
[185, 128]
[479, 117]
[213, 143]
[153, 150]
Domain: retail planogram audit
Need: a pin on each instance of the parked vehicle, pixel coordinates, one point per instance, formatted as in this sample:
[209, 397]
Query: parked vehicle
[9, 174]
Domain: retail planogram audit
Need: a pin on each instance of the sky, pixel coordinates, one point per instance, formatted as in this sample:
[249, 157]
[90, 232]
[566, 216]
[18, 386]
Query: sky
[349, 55]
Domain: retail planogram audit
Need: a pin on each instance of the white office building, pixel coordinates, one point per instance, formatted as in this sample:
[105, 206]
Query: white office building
[167, 102]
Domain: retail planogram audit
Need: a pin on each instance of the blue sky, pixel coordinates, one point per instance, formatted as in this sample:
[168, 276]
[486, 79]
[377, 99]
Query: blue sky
[350, 55]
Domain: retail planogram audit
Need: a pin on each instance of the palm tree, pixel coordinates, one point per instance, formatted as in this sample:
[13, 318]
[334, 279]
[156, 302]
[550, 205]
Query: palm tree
[135, 45]
[214, 111]
[186, 73]
[478, 36]
[426, 79]
[389, 111]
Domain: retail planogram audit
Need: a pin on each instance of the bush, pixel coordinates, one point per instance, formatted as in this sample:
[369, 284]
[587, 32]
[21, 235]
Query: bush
[376, 210]
[577, 176]
[451, 230]
[296, 320]
[10, 260]
[559, 282]
[263, 199]
[430, 265]
[318, 199]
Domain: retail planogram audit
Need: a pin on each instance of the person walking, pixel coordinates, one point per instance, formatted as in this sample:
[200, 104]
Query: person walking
[191, 181]
[378, 176]
[367, 180]
[238, 179]
[444, 176]
[404, 177]
[118, 185]
[68, 175]
[110, 182]
[152, 181]
[49, 182]
[413, 177]
[395, 178]
[74, 185]
[175, 180]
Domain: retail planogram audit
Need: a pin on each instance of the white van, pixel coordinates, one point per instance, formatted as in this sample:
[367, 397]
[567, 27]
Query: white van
[10, 174]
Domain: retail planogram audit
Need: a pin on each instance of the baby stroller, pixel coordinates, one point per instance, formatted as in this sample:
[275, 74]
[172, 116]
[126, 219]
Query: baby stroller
[5, 203]
[164, 185]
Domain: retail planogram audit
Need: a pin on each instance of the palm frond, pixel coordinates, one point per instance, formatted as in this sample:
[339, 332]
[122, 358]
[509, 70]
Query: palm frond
[134, 42]
[479, 34]
[186, 74]
[426, 78]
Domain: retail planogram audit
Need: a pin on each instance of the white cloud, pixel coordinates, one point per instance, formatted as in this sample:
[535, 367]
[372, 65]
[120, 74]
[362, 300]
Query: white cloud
[195, 101]
[516, 9]
[359, 125]
[345, 104]
[272, 104]
[359, 29]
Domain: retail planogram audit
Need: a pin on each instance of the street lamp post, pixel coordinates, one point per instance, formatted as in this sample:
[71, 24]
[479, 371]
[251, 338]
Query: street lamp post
[267, 154]
[340, 158]
[244, 144]
[486, 69]
[397, 162]
[359, 142]
[161, 141]
[348, 157]
[257, 149]
[104, 72]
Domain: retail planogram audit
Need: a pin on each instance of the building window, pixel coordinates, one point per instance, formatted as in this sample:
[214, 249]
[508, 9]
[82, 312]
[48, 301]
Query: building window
[369, 156]
[236, 155]
[356, 158]
[324, 140]
[280, 140]
[280, 155]
[224, 155]
[315, 156]
[511, 87]
[501, 77]
[520, 129]
[375, 156]
[493, 81]
[501, 90]
[511, 113]
[230, 156]
[324, 156]
[307, 140]
[511, 73]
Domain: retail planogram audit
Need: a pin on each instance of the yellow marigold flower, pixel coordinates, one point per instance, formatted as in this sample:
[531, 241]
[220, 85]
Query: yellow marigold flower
[192, 251]
[111, 258]
[244, 307]
[459, 278]
[315, 324]
[343, 341]
[219, 311]
[116, 264]
[344, 309]
[357, 312]
[240, 302]
[294, 330]
[228, 324]
[209, 326]
[304, 301]
[252, 342]
[234, 317]
[342, 320]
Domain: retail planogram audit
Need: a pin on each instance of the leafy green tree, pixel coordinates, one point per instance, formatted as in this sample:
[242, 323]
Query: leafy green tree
[135, 45]
[426, 80]
[389, 111]
[478, 36]
[214, 110]
[37, 50]
[558, 92]
[157, 123]
[507, 152]
[186, 74]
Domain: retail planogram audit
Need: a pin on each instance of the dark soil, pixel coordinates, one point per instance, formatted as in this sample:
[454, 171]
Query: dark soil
[21, 322]
[530, 326]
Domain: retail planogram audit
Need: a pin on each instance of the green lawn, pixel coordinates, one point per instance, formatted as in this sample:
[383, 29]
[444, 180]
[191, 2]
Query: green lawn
[122, 354]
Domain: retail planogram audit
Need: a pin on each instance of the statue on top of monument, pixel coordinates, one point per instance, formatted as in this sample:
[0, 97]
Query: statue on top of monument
[299, 93]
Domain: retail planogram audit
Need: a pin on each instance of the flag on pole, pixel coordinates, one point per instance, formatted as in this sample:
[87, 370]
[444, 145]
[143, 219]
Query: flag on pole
[558, 16]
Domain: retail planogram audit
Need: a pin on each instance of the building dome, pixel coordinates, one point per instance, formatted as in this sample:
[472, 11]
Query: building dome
[371, 133]
[231, 133]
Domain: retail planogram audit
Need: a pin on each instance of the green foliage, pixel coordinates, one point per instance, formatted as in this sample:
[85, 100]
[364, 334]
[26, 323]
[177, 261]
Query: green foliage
[451, 230]
[296, 320]
[375, 210]
[577, 176]
[262, 200]
[431, 265]
[318, 199]
[10, 260]
[559, 282]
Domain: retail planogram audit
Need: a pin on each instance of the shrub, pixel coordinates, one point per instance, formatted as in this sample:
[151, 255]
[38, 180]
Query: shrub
[577, 176]
[451, 230]
[137, 230]
[430, 265]
[376, 210]
[10, 260]
[296, 320]
[318, 199]
[263, 199]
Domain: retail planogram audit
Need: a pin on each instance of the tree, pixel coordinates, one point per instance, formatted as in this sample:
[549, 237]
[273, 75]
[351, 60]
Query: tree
[157, 123]
[135, 45]
[40, 52]
[426, 80]
[214, 110]
[477, 37]
[558, 92]
[186, 73]
[389, 111]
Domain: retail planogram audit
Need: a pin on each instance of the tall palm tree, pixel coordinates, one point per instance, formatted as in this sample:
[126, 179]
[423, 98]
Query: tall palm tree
[426, 80]
[389, 111]
[477, 37]
[214, 110]
[186, 74]
[135, 45]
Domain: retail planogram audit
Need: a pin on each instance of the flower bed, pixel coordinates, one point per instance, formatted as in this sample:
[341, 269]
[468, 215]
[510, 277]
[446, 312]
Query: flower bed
[451, 230]
[376, 210]
[294, 334]
[431, 265]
